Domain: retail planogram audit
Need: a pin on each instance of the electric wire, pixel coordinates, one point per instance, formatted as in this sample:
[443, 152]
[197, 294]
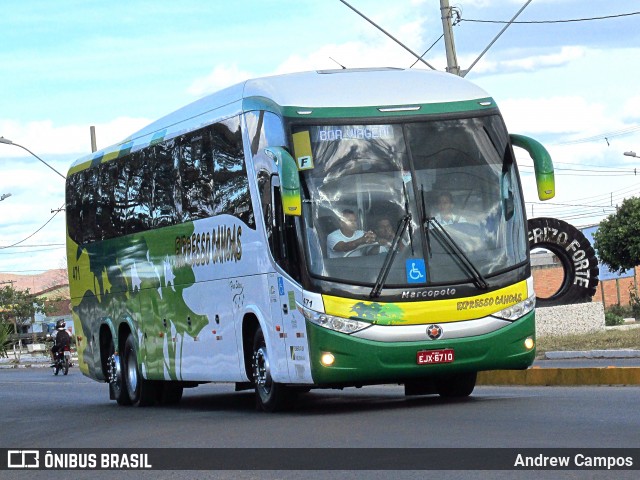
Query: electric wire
[27, 238]
[588, 19]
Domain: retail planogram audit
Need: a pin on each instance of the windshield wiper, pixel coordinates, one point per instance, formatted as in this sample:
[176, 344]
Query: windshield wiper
[394, 247]
[478, 280]
[391, 255]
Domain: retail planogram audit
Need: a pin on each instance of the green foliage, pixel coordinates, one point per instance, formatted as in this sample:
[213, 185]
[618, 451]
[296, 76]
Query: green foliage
[18, 306]
[610, 339]
[5, 331]
[611, 319]
[634, 302]
[618, 310]
[618, 238]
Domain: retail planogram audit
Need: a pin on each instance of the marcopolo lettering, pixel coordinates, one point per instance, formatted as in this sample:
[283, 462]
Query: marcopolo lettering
[223, 244]
[445, 292]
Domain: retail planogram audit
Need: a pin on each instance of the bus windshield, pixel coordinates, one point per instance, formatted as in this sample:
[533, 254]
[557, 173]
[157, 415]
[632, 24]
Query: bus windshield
[362, 182]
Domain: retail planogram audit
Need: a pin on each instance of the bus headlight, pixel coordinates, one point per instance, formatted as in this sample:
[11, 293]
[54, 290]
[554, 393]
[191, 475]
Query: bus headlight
[518, 310]
[338, 324]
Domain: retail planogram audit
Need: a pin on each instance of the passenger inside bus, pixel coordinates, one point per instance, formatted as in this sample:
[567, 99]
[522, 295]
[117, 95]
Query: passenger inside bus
[347, 240]
[446, 212]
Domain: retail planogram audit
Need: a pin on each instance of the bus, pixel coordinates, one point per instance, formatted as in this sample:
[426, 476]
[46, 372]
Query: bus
[284, 234]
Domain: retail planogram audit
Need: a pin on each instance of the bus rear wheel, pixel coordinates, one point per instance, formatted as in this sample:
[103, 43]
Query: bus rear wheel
[115, 377]
[169, 393]
[270, 396]
[141, 392]
[457, 386]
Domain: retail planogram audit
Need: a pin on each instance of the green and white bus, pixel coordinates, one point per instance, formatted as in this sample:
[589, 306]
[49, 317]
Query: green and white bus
[238, 240]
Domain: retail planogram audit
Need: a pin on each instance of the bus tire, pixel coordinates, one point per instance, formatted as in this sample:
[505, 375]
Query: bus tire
[115, 376]
[270, 396]
[169, 393]
[141, 392]
[577, 256]
[457, 386]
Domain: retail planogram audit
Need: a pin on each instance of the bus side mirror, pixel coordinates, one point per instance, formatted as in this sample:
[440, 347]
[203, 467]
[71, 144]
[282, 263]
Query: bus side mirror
[289, 180]
[508, 205]
[542, 165]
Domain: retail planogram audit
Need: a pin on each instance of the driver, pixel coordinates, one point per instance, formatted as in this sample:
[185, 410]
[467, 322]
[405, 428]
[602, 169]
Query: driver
[446, 214]
[347, 238]
[385, 233]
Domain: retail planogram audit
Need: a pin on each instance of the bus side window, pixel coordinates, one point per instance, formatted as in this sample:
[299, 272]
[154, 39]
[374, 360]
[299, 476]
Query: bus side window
[89, 200]
[167, 192]
[264, 188]
[107, 226]
[75, 186]
[196, 171]
[232, 195]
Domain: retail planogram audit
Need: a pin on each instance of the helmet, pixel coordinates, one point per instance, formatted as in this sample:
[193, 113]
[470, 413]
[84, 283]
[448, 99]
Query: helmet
[60, 325]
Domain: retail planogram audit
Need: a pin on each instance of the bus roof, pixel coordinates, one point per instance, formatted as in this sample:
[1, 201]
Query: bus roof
[323, 89]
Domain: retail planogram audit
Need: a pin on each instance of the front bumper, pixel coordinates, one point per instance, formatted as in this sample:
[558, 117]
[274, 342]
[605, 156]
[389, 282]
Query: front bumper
[359, 361]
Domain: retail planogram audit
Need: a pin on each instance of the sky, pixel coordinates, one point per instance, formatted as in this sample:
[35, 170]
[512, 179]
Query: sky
[119, 65]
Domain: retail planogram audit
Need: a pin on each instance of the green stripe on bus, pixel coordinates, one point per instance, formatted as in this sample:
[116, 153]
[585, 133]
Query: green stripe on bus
[390, 110]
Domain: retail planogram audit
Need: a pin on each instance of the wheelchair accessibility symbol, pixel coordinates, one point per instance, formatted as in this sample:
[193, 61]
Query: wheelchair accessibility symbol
[416, 270]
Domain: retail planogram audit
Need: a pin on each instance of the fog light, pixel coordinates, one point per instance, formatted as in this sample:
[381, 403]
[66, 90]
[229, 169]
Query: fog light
[529, 343]
[327, 359]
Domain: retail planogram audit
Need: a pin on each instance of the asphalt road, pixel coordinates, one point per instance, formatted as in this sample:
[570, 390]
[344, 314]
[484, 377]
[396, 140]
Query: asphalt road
[43, 411]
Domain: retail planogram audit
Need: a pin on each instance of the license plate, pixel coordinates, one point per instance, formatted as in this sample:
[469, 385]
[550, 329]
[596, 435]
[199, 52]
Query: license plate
[428, 357]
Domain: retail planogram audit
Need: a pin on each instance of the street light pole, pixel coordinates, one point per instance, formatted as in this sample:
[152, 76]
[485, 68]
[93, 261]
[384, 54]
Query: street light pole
[9, 142]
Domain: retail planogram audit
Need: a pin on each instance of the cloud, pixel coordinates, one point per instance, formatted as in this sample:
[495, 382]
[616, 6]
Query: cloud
[43, 137]
[524, 61]
[631, 108]
[221, 77]
[557, 115]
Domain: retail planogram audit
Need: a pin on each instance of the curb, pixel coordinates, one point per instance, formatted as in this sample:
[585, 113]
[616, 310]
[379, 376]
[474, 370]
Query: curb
[542, 377]
[592, 354]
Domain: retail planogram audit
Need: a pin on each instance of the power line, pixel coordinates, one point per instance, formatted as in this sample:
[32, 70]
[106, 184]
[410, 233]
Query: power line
[602, 136]
[34, 251]
[427, 50]
[39, 245]
[588, 19]
[27, 238]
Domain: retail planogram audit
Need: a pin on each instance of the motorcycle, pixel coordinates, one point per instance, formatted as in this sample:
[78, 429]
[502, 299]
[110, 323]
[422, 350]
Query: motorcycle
[62, 361]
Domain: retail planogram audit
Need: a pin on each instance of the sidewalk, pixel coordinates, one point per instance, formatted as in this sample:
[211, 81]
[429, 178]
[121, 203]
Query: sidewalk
[30, 360]
[550, 375]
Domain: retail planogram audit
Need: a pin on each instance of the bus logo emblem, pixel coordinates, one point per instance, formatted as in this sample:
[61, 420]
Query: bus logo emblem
[434, 332]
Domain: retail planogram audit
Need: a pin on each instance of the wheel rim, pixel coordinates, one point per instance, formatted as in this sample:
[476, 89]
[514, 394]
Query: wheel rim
[114, 370]
[262, 371]
[132, 372]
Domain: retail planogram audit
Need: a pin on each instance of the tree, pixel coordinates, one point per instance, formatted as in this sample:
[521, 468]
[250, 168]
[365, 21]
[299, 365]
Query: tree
[19, 306]
[5, 329]
[618, 238]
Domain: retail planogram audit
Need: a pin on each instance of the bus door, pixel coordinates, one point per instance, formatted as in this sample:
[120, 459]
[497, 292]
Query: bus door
[289, 333]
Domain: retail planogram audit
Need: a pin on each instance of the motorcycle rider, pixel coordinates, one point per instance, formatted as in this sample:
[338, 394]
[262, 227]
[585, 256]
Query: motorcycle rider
[61, 339]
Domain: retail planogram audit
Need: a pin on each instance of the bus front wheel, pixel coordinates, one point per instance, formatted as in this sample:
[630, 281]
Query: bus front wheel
[457, 386]
[270, 396]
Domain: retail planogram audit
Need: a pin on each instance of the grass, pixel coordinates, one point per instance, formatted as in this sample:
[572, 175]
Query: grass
[609, 340]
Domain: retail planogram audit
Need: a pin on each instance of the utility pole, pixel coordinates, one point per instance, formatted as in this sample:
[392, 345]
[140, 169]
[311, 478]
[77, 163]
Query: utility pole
[92, 133]
[449, 44]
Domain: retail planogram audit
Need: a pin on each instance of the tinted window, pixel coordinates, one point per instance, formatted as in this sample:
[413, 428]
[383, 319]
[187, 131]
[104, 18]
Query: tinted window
[232, 185]
[183, 179]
